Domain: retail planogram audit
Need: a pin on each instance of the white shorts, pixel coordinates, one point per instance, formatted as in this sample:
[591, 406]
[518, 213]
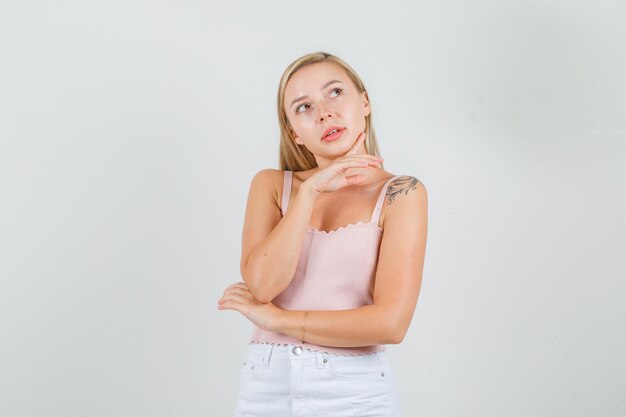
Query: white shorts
[289, 381]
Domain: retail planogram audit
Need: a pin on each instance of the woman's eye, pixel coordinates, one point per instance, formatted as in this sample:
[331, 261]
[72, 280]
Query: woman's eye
[299, 107]
[337, 89]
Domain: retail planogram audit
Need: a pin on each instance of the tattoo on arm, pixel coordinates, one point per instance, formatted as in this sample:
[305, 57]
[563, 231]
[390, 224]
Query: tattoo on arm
[404, 183]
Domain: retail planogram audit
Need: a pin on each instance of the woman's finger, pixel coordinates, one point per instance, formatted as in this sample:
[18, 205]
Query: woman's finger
[237, 284]
[357, 143]
[361, 156]
[232, 297]
[236, 290]
[228, 305]
[361, 161]
[239, 291]
[356, 179]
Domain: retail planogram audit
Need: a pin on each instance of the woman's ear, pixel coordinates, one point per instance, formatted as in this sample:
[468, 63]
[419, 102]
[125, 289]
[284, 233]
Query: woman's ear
[366, 103]
[295, 137]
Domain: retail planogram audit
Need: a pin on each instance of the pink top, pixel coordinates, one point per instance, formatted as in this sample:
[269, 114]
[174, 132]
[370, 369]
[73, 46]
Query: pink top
[336, 271]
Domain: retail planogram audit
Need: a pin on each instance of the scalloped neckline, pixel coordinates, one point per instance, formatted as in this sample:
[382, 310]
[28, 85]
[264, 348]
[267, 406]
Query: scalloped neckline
[341, 228]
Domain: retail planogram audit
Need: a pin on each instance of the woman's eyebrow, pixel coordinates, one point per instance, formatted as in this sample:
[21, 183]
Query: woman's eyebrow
[323, 87]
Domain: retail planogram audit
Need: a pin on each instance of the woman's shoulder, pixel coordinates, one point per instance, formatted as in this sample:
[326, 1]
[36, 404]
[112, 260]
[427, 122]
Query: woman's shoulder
[405, 196]
[403, 184]
[404, 190]
[271, 180]
[267, 180]
[404, 181]
[279, 173]
[271, 175]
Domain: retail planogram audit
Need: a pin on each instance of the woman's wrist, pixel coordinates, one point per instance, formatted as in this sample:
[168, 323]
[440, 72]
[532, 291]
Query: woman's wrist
[278, 320]
[308, 191]
[288, 322]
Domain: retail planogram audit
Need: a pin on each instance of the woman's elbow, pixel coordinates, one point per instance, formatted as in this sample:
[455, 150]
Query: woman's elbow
[256, 289]
[261, 297]
[396, 338]
[396, 334]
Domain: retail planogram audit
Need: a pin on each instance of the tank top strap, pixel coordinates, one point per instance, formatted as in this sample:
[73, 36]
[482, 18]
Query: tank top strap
[381, 199]
[286, 191]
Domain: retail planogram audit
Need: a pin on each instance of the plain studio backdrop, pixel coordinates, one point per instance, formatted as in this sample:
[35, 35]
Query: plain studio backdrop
[130, 132]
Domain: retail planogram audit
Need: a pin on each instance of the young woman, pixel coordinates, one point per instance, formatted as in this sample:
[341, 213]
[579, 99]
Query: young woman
[332, 256]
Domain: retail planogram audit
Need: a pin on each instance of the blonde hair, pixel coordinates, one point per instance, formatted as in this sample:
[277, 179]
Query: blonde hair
[297, 158]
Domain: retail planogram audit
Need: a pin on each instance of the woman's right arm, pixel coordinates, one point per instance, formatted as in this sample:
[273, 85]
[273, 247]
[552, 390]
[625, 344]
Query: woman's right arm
[270, 246]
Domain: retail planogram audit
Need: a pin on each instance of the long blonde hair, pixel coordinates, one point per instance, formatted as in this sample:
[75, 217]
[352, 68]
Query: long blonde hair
[297, 158]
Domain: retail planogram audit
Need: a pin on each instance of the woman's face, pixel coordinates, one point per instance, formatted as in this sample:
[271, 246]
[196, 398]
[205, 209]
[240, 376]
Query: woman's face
[321, 97]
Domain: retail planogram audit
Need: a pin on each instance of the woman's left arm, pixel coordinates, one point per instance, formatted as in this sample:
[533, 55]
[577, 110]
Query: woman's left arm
[396, 290]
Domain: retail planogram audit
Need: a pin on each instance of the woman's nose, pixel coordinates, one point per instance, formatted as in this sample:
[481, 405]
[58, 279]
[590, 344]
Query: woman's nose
[324, 113]
[324, 116]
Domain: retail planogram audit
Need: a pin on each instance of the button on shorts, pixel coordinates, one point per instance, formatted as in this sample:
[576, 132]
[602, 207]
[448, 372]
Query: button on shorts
[291, 381]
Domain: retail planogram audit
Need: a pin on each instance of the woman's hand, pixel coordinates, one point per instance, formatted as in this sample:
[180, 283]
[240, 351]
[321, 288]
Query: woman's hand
[335, 175]
[238, 297]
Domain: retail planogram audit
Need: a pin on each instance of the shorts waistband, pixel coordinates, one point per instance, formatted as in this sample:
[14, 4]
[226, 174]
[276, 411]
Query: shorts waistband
[264, 353]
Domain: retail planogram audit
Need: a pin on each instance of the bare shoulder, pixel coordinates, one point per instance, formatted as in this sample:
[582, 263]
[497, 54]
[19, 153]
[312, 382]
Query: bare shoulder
[268, 175]
[407, 185]
[268, 180]
[405, 196]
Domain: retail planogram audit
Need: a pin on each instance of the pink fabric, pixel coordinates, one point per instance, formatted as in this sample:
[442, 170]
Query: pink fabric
[336, 271]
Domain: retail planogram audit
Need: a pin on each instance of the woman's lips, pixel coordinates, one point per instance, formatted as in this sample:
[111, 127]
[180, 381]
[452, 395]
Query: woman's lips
[334, 136]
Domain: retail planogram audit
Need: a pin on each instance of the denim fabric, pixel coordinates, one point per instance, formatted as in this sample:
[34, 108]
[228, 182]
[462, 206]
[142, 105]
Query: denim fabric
[289, 381]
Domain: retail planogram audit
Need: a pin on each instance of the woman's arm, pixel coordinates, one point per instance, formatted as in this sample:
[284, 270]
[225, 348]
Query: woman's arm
[396, 290]
[363, 326]
[270, 245]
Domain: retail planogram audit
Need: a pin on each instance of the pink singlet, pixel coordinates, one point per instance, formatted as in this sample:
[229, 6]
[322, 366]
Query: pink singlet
[336, 271]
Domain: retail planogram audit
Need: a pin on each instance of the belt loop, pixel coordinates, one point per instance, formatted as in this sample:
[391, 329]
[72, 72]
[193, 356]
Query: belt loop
[268, 355]
[319, 359]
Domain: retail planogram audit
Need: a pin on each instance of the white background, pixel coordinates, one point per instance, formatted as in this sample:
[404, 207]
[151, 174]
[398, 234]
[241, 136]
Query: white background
[130, 132]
